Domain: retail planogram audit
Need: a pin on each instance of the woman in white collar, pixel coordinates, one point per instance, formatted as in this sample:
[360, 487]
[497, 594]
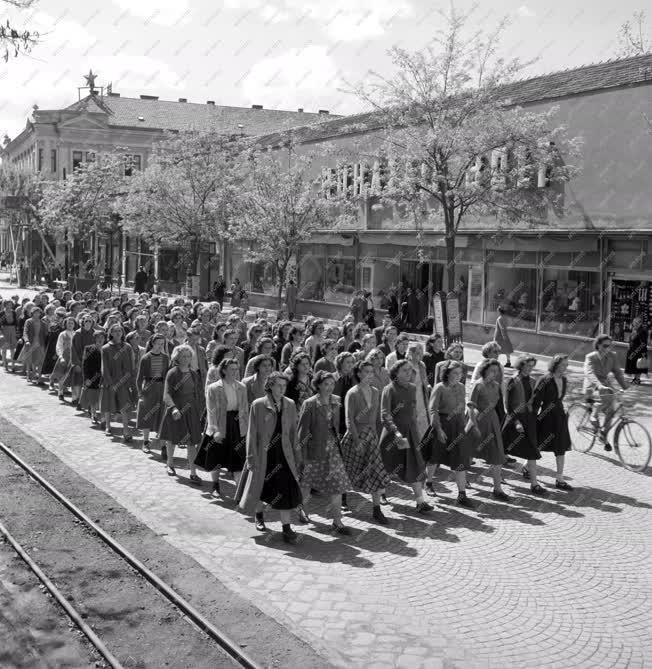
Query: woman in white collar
[227, 412]
[319, 437]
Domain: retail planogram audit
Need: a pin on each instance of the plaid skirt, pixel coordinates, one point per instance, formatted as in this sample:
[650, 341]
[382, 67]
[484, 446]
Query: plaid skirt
[363, 463]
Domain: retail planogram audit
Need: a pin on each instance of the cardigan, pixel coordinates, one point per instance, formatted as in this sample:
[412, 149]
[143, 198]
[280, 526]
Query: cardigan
[315, 428]
[216, 408]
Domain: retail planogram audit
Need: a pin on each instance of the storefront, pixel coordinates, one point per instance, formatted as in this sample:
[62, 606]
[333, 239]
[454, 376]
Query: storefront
[560, 290]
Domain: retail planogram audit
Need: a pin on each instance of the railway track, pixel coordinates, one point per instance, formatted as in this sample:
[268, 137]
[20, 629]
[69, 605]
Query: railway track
[237, 656]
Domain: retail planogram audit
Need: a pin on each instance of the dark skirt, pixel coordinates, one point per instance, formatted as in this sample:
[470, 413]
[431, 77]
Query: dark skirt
[19, 347]
[51, 356]
[186, 430]
[90, 398]
[407, 465]
[522, 444]
[150, 407]
[231, 452]
[552, 429]
[457, 451]
[115, 399]
[280, 489]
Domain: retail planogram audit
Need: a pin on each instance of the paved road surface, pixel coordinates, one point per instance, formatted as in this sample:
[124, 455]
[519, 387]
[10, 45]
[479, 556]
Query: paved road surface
[558, 582]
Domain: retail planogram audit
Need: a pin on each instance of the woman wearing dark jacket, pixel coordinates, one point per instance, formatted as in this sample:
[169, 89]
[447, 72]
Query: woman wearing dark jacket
[552, 419]
[520, 426]
[434, 354]
[152, 370]
[636, 361]
[92, 376]
[80, 340]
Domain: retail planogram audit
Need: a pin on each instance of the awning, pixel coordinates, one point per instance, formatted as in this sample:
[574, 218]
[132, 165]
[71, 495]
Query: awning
[547, 242]
[428, 239]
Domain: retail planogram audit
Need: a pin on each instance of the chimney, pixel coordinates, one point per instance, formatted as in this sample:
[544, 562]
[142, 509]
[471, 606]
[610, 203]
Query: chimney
[210, 102]
[300, 110]
[149, 97]
[256, 106]
[323, 112]
[183, 99]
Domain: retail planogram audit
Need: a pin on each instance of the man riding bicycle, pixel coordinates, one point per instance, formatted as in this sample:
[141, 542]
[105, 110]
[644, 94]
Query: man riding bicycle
[598, 366]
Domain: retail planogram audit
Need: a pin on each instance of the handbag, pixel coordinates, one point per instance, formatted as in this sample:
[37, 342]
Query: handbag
[207, 455]
[642, 363]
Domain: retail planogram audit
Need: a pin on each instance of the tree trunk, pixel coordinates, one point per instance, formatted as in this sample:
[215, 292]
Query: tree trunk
[282, 274]
[450, 258]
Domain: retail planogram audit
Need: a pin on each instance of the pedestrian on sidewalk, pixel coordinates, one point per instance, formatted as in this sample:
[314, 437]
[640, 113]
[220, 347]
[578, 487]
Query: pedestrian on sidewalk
[271, 476]
[117, 394]
[520, 426]
[227, 410]
[92, 376]
[8, 325]
[140, 280]
[291, 299]
[82, 338]
[636, 362]
[399, 442]
[34, 336]
[152, 371]
[552, 419]
[184, 402]
[501, 335]
[61, 371]
[321, 465]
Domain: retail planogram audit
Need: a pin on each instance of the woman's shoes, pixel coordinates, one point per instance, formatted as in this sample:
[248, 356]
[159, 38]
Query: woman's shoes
[383, 500]
[289, 535]
[430, 491]
[378, 515]
[341, 529]
[464, 501]
[127, 438]
[424, 507]
[538, 490]
[562, 485]
[195, 479]
[303, 517]
[216, 489]
[170, 471]
[107, 432]
[164, 452]
[260, 522]
[146, 448]
[345, 504]
[500, 495]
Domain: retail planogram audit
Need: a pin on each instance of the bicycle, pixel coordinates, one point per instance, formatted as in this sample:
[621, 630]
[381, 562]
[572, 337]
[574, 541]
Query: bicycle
[631, 440]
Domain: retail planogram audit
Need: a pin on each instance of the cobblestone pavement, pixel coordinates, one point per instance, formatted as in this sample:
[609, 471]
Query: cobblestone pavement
[560, 582]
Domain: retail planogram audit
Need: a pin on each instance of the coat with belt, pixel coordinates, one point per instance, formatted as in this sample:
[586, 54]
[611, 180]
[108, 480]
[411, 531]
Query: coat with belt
[262, 423]
[316, 428]
[216, 403]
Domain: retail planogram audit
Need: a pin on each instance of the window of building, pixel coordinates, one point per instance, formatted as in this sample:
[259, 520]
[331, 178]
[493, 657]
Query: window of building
[77, 159]
[627, 254]
[90, 156]
[311, 272]
[570, 302]
[41, 154]
[340, 280]
[264, 278]
[514, 288]
[473, 310]
[53, 160]
[168, 265]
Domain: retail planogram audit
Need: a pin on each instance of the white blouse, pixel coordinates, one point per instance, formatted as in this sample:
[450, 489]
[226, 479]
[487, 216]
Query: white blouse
[231, 396]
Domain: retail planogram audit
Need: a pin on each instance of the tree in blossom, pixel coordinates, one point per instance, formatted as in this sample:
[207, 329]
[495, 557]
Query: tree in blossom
[186, 195]
[280, 208]
[455, 146]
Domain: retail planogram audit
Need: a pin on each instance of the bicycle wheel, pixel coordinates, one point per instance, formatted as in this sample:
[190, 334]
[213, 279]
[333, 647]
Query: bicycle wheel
[633, 445]
[581, 430]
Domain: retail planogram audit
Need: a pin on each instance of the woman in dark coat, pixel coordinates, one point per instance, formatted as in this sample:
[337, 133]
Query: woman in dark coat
[552, 419]
[152, 370]
[520, 426]
[92, 376]
[118, 381]
[80, 340]
[399, 442]
[184, 402]
[636, 352]
[55, 327]
[433, 356]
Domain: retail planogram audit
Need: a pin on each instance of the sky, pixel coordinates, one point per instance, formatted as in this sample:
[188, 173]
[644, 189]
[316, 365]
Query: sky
[282, 54]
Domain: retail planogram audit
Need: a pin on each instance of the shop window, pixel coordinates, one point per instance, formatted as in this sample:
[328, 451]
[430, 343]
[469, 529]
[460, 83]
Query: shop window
[475, 295]
[168, 265]
[77, 159]
[53, 160]
[264, 278]
[570, 302]
[310, 272]
[514, 288]
[385, 280]
[340, 280]
[629, 300]
[240, 268]
[41, 153]
[625, 254]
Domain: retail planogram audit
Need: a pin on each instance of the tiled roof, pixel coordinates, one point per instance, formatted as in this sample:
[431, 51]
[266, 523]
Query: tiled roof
[170, 115]
[585, 79]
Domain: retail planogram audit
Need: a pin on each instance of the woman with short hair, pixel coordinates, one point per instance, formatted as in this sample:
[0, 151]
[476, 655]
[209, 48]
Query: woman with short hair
[293, 345]
[318, 435]
[399, 441]
[272, 476]
[381, 377]
[89, 399]
[227, 411]
[150, 381]
[183, 398]
[299, 386]
[263, 366]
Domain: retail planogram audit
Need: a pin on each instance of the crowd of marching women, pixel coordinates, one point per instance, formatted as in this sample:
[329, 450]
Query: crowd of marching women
[289, 410]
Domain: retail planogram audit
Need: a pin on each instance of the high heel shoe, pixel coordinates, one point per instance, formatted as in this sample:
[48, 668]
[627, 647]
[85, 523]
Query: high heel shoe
[260, 522]
[303, 517]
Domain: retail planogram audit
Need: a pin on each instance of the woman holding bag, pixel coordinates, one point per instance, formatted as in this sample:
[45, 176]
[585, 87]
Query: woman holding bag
[227, 412]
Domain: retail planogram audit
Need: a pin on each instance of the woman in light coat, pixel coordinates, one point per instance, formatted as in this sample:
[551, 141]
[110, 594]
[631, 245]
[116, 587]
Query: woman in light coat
[227, 410]
[271, 475]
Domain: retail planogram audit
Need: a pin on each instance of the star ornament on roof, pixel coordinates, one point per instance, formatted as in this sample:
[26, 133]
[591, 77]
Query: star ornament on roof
[90, 79]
